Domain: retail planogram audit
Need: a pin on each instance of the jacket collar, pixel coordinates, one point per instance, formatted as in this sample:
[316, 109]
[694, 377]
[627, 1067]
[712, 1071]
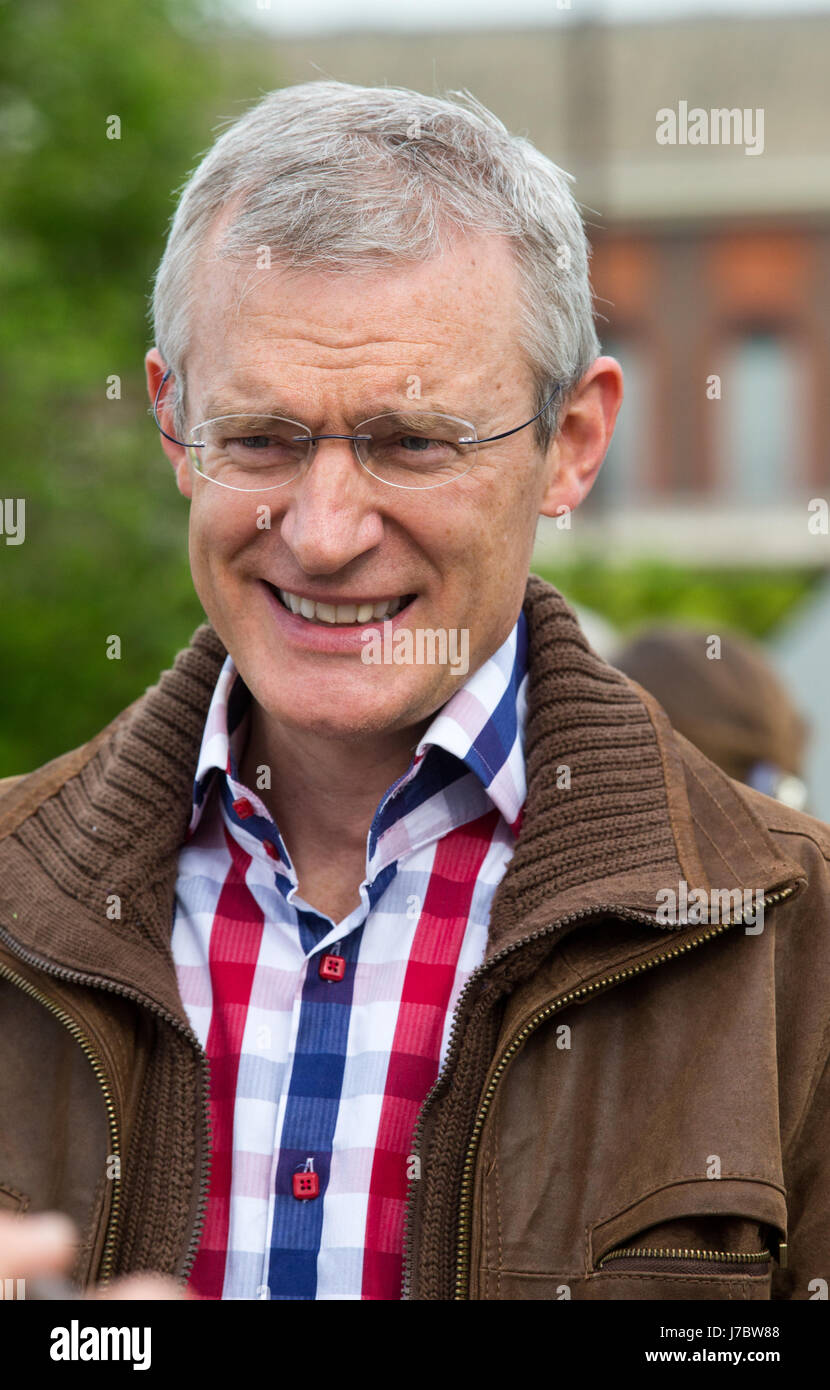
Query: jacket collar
[619, 807]
[608, 818]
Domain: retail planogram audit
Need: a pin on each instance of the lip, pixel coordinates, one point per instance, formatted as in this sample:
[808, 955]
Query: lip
[334, 637]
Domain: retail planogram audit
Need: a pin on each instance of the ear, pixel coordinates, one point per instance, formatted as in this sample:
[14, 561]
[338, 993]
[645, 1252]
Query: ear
[155, 367]
[581, 442]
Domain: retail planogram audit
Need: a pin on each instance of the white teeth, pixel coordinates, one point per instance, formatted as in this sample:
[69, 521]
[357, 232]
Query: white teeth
[341, 612]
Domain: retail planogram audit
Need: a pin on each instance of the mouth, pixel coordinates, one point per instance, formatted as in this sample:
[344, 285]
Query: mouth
[354, 614]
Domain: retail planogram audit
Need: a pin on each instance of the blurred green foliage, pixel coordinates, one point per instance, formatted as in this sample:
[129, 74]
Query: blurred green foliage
[630, 596]
[84, 224]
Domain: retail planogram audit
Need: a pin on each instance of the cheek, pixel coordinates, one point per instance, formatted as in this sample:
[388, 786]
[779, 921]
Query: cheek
[500, 556]
[212, 543]
[198, 533]
[199, 567]
[218, 531]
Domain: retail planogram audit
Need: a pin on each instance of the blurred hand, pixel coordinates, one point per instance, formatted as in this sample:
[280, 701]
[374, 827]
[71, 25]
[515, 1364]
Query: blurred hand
[46, 1244]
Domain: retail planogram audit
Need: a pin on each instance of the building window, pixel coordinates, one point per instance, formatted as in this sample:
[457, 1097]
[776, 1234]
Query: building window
[762, 443]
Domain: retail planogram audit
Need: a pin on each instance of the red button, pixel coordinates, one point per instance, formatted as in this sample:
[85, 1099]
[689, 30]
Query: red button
[305, 1186]
[332, 968]
[243, 808]
[271, 850]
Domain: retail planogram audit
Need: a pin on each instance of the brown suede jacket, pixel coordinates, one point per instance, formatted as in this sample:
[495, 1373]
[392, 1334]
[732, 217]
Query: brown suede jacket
[631, 1108]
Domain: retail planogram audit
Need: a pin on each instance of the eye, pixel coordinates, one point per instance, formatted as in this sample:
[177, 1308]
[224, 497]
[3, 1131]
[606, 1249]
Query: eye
[254, 441]
[417, 443]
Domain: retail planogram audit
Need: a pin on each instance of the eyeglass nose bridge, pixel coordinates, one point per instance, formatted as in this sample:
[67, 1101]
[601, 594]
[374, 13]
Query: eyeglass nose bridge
[312, 439]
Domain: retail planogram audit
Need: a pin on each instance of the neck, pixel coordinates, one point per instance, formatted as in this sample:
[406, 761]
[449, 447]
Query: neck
[324, 792]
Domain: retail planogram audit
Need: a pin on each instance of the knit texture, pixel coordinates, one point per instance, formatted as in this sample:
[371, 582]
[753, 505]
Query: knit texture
[596, 803]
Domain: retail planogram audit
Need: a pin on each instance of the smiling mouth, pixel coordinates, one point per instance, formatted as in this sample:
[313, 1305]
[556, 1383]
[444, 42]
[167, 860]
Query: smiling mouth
[341, 614]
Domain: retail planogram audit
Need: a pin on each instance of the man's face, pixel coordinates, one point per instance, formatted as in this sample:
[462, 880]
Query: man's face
[331, 351]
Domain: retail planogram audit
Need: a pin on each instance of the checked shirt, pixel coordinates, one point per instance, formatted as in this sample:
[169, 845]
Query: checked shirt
[310, 1075]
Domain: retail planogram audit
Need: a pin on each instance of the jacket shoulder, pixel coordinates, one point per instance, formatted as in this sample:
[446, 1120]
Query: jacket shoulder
[728, 812]
[782, 823]
[21, 795]
[191, 679]
[788, 824]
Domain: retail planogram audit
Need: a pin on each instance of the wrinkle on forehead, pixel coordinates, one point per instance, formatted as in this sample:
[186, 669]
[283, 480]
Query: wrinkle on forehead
[290, 337]
[451, 321]
[482, 271]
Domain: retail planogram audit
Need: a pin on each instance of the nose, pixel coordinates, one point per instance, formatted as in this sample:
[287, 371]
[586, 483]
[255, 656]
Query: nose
[332, 517]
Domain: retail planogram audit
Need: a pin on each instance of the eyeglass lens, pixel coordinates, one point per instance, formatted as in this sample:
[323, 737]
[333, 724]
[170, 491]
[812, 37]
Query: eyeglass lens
[417, 450]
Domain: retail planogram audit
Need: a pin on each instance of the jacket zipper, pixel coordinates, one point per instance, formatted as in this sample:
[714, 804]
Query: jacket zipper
[77, 977]
[95, 1062]
[717, 1256]
[462, 1264]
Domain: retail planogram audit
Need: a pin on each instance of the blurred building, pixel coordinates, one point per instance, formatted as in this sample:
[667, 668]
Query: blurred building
[711, 262]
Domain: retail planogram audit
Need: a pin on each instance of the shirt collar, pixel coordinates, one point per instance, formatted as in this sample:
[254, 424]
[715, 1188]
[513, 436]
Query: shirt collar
[482, 725]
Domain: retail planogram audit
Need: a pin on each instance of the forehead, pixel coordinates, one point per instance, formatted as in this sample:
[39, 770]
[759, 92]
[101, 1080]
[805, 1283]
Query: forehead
[452, 321]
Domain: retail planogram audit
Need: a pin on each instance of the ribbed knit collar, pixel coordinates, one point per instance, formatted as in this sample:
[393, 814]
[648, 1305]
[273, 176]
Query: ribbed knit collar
[606, 820]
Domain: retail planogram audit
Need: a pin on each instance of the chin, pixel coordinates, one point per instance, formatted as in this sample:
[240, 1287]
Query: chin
[340, 713]
[334, 722]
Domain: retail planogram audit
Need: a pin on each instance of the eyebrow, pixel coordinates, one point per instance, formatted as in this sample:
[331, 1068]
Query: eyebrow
[216, 407]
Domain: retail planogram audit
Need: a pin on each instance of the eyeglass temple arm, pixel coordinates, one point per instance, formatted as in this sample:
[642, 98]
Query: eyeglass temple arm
[516, 428]
[173, 440]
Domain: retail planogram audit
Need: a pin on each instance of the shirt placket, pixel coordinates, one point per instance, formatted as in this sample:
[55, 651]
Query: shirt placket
[327, 947]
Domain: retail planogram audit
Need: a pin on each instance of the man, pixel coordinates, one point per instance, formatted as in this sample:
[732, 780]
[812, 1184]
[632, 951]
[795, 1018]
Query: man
[343, 963]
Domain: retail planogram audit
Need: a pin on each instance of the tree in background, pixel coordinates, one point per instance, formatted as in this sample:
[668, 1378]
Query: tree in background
[104, 109]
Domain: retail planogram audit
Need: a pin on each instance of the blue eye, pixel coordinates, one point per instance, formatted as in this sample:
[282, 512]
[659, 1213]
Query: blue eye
[418, 440]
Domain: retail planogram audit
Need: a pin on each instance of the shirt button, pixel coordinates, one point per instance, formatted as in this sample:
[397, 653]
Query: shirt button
[332, 968]
[243, 808]
[305, 1186]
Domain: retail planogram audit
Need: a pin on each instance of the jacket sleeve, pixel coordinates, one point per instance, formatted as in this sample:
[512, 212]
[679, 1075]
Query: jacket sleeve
[807, 1176]
[801, 930]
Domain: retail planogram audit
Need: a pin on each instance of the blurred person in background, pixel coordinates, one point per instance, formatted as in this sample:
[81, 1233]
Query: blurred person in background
[727, 700]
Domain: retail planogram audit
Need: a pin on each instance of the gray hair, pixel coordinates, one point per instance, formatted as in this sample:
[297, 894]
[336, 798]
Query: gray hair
[345, 178]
